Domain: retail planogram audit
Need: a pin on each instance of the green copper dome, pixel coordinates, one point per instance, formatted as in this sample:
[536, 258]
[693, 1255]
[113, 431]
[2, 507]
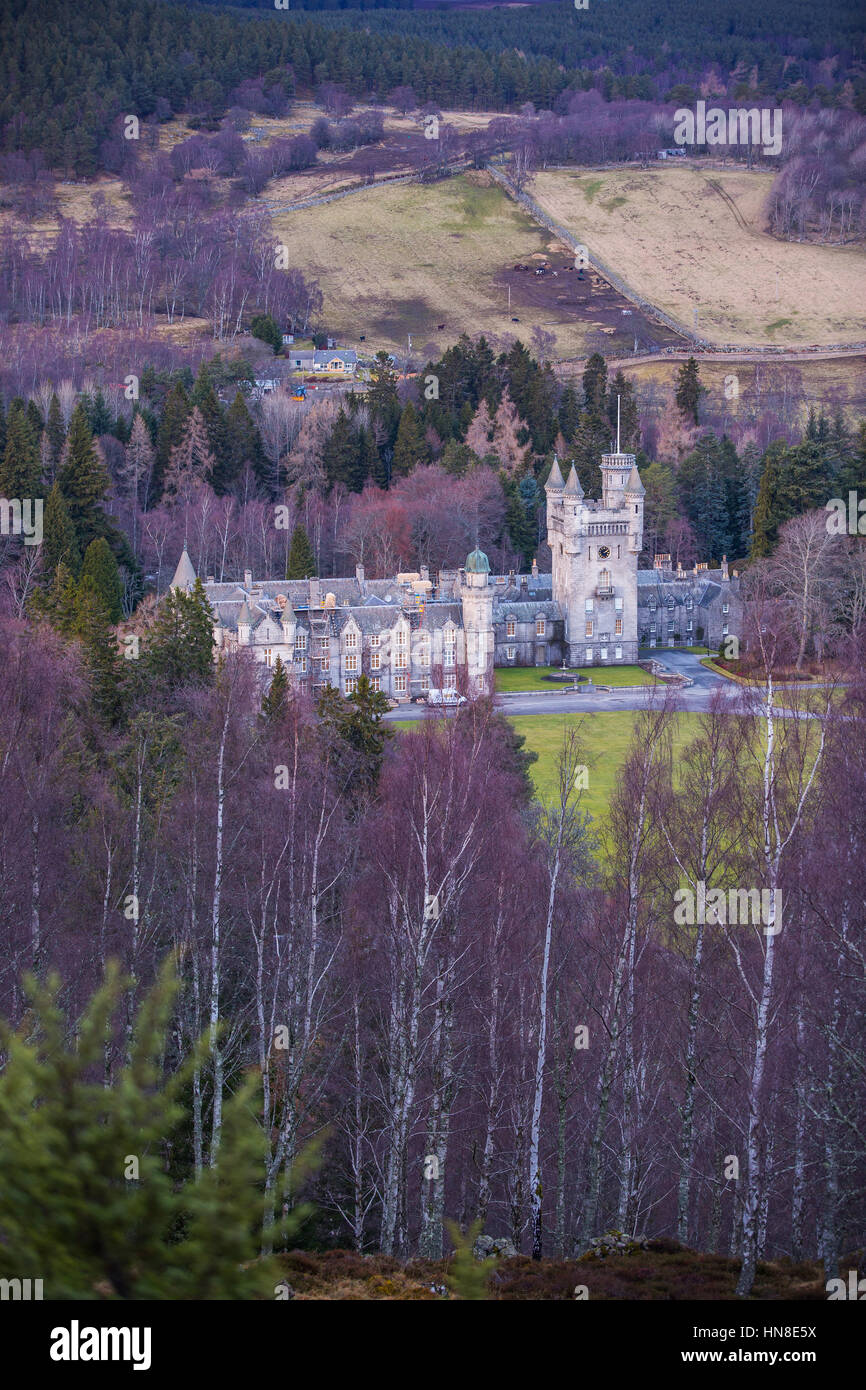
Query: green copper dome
[477, 562]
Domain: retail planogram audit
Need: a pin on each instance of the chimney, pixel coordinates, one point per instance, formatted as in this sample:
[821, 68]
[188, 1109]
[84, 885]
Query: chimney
[535, 569]
[425, 573]
[725, 575]
[315, 594]
[510, 578]
[359, 575]
[523, 582]
[248, 579]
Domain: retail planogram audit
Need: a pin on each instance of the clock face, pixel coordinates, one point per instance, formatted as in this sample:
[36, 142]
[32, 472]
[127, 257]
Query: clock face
[604, 552]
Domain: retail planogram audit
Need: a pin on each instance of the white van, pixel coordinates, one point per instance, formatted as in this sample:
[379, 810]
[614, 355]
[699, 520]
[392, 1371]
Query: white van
[444, 697]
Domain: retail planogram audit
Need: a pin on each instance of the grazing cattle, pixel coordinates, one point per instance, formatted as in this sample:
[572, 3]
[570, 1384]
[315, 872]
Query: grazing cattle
[440, 326]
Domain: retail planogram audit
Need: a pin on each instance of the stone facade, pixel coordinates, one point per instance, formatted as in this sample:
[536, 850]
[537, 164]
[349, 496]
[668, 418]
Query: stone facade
[413, 633]
[595, 546]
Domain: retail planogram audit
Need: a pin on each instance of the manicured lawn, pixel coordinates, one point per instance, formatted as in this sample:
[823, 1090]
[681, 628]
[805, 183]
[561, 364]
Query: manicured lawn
[510, 678]
[607, 737]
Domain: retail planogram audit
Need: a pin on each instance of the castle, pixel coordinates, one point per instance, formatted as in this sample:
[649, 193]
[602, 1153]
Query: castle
[413, 633]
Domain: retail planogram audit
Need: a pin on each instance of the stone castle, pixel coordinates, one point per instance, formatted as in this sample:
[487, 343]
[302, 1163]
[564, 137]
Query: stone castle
[413, 632]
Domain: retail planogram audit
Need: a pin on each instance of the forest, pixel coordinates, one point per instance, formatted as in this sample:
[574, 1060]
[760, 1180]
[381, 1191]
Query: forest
[67, 76]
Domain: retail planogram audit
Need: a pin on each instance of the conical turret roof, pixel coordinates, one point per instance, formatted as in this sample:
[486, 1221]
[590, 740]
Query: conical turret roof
[185, 575]
[572, 487]
[554, 480]
[245, 617]
[633, 483]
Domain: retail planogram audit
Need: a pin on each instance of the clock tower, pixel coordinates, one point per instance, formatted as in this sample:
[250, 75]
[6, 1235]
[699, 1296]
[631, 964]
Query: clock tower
[595, 547]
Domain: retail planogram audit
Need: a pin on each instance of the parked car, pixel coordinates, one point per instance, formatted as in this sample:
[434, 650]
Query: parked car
[439, 698]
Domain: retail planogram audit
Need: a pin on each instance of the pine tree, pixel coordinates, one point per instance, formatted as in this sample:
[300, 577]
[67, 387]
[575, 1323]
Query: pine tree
[382, 397]
[100, 567]
[56, 432]
[98, 414]
[59, 543]
[595, 384]
[689, 391]
[622, 391]
[569, 411]
[192, 462]
[204, 399]
[266, 329]
[243, 444]
[371, 465]
[83, 480]
[507, 427]
[274, 702]
[20, 470]
[301, 563]
[178, 649]
[411, 446]
[340, 454]
[114, 1216]
[58, 603]
[93, 627]
[135, 471]
[479, 434]
[171, 431]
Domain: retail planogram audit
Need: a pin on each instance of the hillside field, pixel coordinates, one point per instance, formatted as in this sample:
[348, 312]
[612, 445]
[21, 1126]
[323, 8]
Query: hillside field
[687, 238]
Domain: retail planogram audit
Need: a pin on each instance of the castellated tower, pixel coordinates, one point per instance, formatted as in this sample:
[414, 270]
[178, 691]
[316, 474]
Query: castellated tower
[476, 597]
[595, 548]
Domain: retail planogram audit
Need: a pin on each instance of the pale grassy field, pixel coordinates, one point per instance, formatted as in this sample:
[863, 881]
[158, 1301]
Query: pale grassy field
[403, 259]
[672, 236]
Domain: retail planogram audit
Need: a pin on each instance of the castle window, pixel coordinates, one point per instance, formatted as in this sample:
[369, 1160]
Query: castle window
[351, 640]
[301, 641]
[588, 605]
[589, 626]
[352, 662]
[618, 627]
[540, 627]
[618, 653]
[301, 663]
[267, 656]
[604, 579]
[510, 628]
[617, 604]
[400, 685]
[401, 661]
[376, 683]
[510, 653]
[375, 658]
[400, 637]
[325, 661]
[374, 640]
[725, 607]
[603, 655]
[351, 685]
[589, 653]
[449, 682]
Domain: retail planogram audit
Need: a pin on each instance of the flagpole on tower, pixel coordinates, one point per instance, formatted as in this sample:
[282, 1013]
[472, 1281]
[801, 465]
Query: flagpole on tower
[617, 424]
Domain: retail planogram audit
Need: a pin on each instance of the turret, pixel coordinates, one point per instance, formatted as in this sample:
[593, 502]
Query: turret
[245, 623]
[476, 595]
